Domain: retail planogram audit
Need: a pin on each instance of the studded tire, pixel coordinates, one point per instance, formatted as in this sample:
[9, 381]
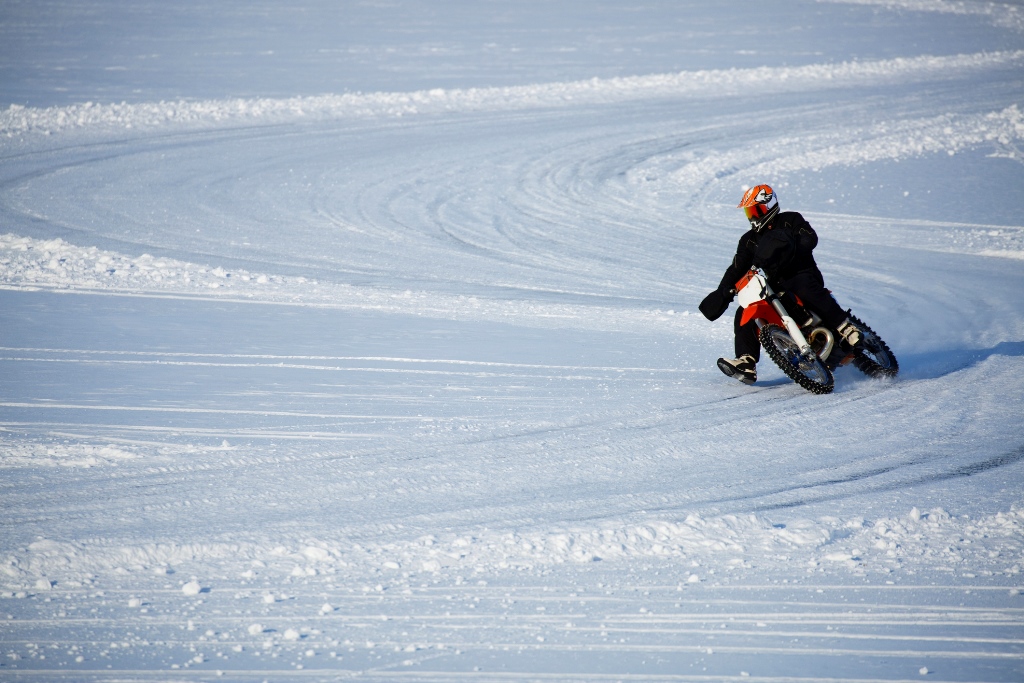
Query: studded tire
[874, 358]
[811, 374]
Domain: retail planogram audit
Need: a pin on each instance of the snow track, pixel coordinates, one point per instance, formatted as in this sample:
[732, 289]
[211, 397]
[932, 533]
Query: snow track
[18, 120]
[495, 633]
[409, 384]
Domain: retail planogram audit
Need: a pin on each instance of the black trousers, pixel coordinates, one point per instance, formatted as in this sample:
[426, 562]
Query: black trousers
[810, 287]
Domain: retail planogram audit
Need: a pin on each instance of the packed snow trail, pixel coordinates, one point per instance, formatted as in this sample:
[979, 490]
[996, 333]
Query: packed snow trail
[409, 382]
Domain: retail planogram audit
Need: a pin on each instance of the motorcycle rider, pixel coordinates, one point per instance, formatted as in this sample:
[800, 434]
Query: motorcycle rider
[780, 244]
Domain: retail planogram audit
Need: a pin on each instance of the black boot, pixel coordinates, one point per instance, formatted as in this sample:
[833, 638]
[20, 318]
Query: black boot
[743, 368]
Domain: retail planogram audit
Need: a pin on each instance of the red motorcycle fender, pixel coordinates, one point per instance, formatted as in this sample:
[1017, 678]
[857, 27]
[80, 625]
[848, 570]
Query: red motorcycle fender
[763, 310]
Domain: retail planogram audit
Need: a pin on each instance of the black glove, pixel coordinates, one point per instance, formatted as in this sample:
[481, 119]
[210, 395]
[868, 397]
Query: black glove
[716, 303]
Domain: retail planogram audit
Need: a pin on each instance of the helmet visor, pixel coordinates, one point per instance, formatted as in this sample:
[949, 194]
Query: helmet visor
[756, 212]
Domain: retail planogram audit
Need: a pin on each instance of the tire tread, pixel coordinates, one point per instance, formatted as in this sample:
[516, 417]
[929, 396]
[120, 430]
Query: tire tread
[765, 337]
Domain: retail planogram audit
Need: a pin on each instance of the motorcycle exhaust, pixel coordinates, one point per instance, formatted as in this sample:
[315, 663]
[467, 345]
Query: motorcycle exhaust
[829, 344]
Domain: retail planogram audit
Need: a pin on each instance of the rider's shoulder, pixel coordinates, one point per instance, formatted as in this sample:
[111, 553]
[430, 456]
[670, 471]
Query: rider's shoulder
[792, 219]
[748, 241]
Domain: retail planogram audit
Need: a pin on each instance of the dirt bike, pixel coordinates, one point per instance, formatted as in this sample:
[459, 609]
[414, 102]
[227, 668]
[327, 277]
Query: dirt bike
[808, 352]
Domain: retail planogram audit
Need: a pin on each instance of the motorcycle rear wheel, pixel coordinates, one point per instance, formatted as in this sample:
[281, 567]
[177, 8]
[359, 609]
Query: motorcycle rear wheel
[874, 358]
[810, 373]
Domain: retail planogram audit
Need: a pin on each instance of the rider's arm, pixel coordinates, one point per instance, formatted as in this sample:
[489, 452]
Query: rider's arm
[717, 302]
[741, 263]
[805, 234]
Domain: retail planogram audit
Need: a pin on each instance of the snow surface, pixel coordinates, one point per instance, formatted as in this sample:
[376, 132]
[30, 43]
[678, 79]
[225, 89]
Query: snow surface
[361, 341]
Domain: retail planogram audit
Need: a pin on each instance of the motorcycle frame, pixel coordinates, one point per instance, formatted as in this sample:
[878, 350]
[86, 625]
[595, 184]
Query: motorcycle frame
[762, 305]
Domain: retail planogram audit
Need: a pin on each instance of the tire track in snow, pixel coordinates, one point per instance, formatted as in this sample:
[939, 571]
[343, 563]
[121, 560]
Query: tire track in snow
[691, 628]
[281, 358]
[105, 432]
[317, 368]
[214, 411]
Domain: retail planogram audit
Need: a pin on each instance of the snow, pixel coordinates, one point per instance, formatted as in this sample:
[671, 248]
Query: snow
[364, 343]
[18, 119]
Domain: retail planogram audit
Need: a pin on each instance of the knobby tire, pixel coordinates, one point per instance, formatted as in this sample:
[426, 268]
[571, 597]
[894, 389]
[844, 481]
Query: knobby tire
[768, 336]
[885, 365]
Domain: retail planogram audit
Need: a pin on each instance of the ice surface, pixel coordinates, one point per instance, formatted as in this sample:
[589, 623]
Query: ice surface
[359, 340]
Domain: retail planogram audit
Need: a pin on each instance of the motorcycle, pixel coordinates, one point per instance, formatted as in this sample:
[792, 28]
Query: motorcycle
[808, 352]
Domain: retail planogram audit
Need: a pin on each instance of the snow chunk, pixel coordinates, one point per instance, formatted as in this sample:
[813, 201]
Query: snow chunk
[53, 454]
[317, 554]
[840, 557]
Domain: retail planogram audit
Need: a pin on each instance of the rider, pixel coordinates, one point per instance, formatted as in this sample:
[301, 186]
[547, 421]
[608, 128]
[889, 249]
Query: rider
[780, 244]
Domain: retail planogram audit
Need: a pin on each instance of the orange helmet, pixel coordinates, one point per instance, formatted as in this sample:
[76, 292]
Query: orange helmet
[761, 206]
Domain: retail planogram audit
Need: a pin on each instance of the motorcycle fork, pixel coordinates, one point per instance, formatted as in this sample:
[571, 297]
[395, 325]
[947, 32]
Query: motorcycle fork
[794, 330]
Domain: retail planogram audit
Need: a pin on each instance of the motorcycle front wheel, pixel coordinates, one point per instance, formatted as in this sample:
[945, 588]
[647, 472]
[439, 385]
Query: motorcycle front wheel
[810, 373]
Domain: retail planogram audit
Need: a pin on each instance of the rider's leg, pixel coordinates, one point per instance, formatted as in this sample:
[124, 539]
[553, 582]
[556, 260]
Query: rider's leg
[744, 366]
[746, 343]
[810, 287]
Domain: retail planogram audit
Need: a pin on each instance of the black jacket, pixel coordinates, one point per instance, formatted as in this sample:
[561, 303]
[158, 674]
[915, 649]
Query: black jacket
[782, 252]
